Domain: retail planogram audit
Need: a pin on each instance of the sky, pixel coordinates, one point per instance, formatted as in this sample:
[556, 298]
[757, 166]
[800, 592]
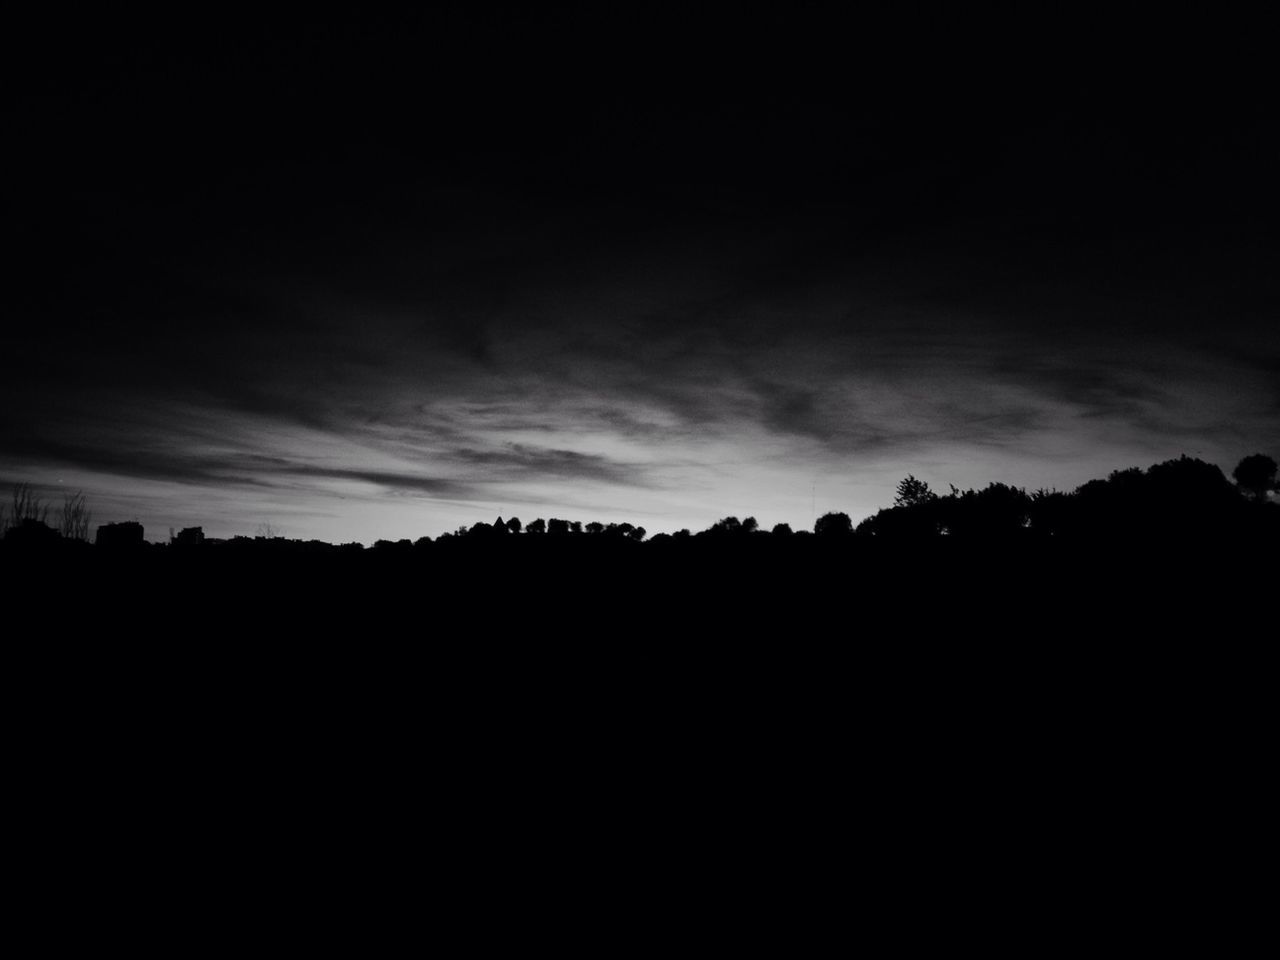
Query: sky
[380, 277]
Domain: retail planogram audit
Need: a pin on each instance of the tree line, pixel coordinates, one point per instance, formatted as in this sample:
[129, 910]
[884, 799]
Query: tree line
[1182, 497]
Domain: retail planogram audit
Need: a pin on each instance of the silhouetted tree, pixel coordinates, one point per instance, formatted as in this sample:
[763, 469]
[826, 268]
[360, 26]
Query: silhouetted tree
[624, 531]
[833, 525]
[559, 528]
[1176, 498]
[909, 523]
[27, 506]
[782, 530]
[913, 493]
[513, 525]
[998, 510]
[1255, 475]
[1190, 496]
[727, 525]
[595, 527]
[575, 526]
[75, 518]
[28, 521]
[1050, 512]
[750, 525]
[537, 526]
[1188, 476]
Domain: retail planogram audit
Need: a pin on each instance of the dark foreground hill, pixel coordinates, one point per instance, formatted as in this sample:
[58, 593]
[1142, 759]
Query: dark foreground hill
[990, 735]
[1023, 743]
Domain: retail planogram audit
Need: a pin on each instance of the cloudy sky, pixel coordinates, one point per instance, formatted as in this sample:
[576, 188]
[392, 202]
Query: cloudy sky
[371, 278]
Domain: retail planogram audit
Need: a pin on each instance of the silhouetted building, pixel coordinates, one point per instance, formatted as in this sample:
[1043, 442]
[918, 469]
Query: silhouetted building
[117, 535]
[189, 537]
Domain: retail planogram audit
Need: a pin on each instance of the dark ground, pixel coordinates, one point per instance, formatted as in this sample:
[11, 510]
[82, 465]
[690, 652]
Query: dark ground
[1022, 748]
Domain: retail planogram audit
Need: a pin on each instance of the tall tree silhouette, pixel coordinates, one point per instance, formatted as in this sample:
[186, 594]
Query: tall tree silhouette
[75, 517]
[28, 506]
[912, 493]
[1255, 475]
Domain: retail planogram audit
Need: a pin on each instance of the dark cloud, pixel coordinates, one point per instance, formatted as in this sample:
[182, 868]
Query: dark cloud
[1090, 386]
[123, 462]
[518, 461]
[792, 410]
[397, 482]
